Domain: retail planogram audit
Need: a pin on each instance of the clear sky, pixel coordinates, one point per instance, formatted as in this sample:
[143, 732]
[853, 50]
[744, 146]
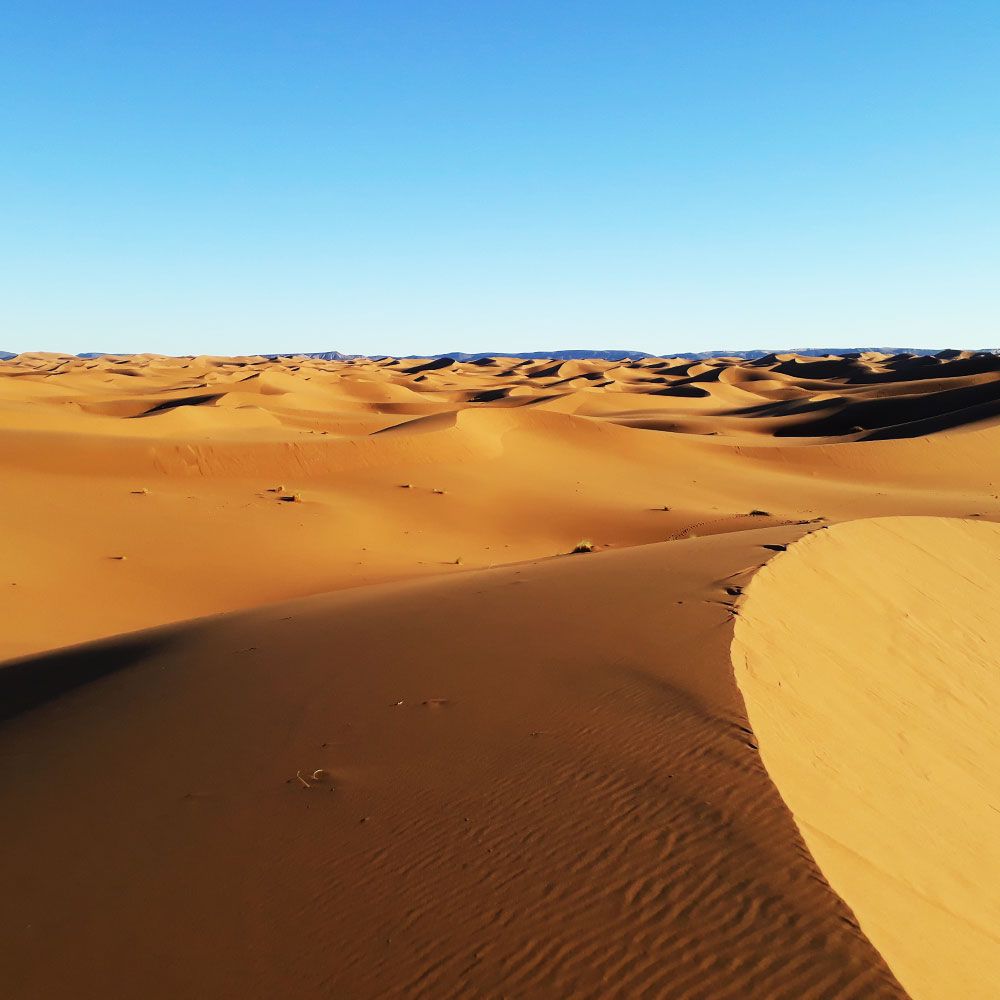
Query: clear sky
[417, 176]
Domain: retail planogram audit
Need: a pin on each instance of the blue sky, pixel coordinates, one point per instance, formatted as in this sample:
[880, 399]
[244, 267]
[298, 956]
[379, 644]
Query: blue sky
[421, 176]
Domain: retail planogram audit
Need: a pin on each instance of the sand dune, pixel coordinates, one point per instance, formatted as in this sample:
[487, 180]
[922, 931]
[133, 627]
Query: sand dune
[526, 797]
[867, 655]
[210, 439]
[541, 780]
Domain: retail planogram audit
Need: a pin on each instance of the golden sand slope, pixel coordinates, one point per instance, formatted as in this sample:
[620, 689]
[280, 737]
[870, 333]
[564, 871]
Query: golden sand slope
[503, 460]
[540, 783]
[541, 777]
[868, 658]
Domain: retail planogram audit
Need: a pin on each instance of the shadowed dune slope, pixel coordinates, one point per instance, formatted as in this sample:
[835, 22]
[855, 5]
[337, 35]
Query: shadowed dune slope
[539, 781]
[869, 659]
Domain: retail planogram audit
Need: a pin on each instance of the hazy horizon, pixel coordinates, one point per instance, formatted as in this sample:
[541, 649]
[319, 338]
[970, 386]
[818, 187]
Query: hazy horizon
[607, 352]
[393, 178]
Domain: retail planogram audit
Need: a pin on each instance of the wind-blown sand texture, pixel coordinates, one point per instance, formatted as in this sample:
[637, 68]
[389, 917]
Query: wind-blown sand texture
[426, 751]
[868, 657]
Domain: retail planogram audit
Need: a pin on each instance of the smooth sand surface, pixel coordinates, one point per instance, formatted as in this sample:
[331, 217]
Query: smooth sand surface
[868, 657]
[537, 776]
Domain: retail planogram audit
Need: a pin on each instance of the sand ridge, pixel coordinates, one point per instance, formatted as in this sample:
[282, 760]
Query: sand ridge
[867, 658]
[176, 464]
[536, 774]
[526, 797]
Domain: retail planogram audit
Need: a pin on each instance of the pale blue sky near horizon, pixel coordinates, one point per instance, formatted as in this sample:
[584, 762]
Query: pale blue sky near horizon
[389, 177]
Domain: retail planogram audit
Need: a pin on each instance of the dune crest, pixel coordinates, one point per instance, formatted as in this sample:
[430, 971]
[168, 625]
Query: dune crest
[867, 657]
[414, 677]
[509, 460]
[520, 795]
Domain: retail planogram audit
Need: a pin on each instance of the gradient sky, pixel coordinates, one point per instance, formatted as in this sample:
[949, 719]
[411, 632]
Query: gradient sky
[416, 176]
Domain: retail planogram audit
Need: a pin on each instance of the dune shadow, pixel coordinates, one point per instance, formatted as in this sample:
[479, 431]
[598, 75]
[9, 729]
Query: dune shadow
[203, 399]
[434, 365]
[33, 681]
[684, 389]
[883, 416]
[489, 395]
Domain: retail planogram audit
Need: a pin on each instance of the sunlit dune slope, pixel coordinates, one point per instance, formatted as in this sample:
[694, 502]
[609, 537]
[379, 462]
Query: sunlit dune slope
[428, 752]
[869, 659]
[539, 782]
[227, 483]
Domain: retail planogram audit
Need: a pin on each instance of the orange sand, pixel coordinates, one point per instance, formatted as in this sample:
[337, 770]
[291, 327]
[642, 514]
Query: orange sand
[868, 658]
[541, 778]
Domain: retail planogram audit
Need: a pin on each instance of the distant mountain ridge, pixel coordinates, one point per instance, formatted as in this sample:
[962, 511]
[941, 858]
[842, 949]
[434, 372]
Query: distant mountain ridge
[755, 355]
[624, 355]
[605, 355]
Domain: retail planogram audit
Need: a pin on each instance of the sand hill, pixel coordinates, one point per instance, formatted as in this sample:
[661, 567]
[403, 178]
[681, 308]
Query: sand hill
[306, 693]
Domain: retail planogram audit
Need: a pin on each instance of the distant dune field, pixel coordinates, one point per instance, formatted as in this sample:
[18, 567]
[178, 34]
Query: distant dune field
[500, 677]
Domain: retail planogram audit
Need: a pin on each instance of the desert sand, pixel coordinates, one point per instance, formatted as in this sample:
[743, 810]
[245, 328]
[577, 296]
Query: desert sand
[868, 656]
[306, 693]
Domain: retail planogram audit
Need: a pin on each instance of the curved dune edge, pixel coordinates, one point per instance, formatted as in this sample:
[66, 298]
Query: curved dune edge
[868, 658]
[539, 783]
[186, 468]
